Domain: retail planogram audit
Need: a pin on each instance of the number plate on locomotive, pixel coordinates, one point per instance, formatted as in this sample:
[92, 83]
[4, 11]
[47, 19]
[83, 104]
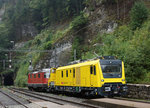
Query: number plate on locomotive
[107, 89]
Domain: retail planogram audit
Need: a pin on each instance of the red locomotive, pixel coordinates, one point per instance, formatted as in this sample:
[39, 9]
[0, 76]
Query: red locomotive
[38, 80]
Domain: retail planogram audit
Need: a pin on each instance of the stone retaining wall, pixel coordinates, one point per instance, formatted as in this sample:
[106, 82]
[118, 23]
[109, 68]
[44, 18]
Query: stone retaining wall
[138, 91]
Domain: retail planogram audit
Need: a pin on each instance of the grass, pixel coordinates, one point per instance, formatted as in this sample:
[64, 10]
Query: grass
[37, 43]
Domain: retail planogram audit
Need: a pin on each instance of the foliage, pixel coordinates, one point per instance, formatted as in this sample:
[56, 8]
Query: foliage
[22, 75]
[79, 22]
[48, 45]
[41, 13]
[3, 36]
[49, 37]
[49, 11]
[76, 46]
[42, 41]
[138, 14]
[38, 41]
[132, 48]
[88, 55]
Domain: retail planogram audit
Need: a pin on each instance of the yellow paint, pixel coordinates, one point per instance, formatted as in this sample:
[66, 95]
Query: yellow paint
[83, 76]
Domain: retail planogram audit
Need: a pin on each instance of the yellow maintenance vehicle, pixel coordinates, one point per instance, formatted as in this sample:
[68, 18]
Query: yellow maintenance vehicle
[104, 76]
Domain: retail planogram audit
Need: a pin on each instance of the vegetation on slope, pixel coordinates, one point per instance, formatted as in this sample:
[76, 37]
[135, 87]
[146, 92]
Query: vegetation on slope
[44, 41]
[128, 42]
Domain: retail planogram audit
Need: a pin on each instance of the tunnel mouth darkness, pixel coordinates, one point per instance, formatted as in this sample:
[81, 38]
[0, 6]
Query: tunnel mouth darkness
[8, 79]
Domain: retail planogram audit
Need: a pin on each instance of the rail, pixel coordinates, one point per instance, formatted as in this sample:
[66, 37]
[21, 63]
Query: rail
[52, 99]
[19, 102]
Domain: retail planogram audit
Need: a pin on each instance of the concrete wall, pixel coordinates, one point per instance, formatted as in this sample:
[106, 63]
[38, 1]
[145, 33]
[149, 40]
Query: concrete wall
[138, 91]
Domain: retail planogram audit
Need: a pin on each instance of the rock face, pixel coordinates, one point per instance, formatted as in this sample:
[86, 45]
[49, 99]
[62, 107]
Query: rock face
[99, 22]
[105, 16]
[102, 19]
[19, 45]
[59, 56]
[29, 30]
[26, 32]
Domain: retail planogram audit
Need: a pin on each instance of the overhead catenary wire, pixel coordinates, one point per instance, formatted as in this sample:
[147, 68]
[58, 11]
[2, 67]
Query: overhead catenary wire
[24, 50]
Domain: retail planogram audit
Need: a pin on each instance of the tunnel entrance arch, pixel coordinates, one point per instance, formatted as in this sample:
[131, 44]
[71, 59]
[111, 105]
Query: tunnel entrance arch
[8, 79]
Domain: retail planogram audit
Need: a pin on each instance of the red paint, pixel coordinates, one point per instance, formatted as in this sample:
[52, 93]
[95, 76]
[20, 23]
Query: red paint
[37, 80]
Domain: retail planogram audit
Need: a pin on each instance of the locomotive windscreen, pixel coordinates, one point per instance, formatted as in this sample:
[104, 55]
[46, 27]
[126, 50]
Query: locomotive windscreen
[111, 68]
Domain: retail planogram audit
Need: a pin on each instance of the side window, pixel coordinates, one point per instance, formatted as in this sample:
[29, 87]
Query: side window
[62, 74]
[94, 70]
[73, 73]
[38, 75]
[30, 75]
[34, 75]
[66, 73]
[91, 69]
[44, 75]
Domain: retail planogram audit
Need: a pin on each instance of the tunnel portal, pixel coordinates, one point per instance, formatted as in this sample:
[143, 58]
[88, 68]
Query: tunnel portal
[8, 79]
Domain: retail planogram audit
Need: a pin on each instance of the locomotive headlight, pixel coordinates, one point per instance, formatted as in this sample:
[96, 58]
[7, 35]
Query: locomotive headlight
[102, 80]
[123, 80]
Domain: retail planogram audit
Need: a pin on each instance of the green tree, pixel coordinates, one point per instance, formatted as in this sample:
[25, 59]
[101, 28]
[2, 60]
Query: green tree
[79, 22]
[138, 14]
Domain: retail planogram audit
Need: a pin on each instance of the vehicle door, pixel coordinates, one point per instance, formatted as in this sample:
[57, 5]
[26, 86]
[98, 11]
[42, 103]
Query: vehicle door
[92, 75]
[74, 77]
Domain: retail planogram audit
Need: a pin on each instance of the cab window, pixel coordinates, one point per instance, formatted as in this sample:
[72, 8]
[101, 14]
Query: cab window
[30, 75]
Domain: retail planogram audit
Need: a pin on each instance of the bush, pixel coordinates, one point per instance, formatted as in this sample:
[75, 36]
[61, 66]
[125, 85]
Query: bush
[49, 37]
[38, 41]
[79, 22]
[22, 74]
[138, 14]
[48, 45]
[76, 46]
[133, 49]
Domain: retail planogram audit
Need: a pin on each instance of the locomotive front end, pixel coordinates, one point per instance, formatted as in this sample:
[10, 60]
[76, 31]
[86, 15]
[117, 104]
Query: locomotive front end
[112, 77]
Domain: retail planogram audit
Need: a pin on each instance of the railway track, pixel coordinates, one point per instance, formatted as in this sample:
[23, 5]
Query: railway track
[53, 99]
[14, 99]
[4, 106]
[62, 100]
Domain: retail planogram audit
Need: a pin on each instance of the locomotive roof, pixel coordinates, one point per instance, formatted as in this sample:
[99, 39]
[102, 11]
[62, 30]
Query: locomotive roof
[46, 70]
[79, 64]
[41, 71]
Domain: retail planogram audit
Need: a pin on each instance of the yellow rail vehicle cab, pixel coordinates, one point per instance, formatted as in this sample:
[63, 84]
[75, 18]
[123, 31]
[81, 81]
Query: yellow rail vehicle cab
[97, 77]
